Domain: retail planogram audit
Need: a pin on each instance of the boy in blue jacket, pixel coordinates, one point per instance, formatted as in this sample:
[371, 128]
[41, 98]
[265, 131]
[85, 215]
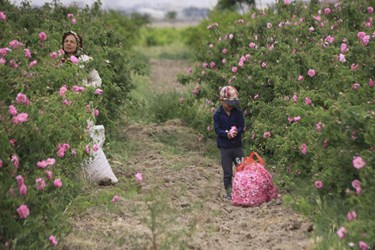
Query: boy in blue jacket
[229, 125]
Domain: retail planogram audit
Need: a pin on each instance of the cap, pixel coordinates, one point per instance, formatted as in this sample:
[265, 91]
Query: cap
[229, 95]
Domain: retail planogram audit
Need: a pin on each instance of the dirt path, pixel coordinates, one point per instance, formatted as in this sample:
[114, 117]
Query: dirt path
[180, 204]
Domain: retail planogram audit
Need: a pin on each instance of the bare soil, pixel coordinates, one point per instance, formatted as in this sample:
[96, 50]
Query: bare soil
[180, 203]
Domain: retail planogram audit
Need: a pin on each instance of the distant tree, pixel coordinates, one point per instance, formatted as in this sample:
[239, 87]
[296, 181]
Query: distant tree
[171, 15]
[235, 4]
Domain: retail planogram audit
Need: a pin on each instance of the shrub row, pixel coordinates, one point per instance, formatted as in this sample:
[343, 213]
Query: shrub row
[306, 76]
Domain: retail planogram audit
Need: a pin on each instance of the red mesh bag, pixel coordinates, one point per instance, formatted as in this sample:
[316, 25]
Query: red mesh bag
[252, 184]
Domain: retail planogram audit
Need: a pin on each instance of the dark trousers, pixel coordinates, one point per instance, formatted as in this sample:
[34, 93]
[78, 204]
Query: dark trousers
[229, 156]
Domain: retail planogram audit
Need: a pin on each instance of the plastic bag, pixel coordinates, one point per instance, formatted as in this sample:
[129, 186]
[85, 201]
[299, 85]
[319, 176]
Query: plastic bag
[252, 183]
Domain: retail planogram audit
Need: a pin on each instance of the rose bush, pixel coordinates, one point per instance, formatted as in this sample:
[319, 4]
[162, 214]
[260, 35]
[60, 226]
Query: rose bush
[44, 112]
[305, 75]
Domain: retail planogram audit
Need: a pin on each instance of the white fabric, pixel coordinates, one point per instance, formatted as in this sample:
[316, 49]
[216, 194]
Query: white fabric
[98, 168]
[93, 78]
[97, 133]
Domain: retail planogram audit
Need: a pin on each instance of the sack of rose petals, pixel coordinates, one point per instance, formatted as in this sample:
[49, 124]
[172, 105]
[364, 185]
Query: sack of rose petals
[252, 183]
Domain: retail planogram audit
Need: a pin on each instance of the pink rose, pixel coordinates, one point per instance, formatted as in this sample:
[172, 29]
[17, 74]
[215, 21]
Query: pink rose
[53, 55]
[304, 148]
[370, 10]
[362, 245]
[98, 91]
[234, 69]
[319, 184]
[352, 215]
[96, 112]
[356, 184]
[300, 78]
[307, 101]
[48, 174]
[74, 59]
[341, 232]
[21, 98]
[40, 184]
[327, 11]
[267, 134]
[23, 189]
[1, 163]
[319, 126]
[27, 53]
[15, 160]
[344, 48]
[358, 162]
[62, 90]
[224, 51]
[138, 177]
[311, 72]
[12, 110]
[73, 21]
[33, 63]
[57, 183]
[294, 98]
[115, 198]
[3, 17]
[23, 211]
[42, 36]
[371, 83]
[53, 240]
[263, 65]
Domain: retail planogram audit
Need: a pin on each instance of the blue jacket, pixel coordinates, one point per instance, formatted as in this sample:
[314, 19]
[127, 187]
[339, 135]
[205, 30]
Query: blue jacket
[223, 123]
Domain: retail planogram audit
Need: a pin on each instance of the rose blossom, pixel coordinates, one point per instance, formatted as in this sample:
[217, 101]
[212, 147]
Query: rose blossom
[23, 211]
[362, 245]
[352, 215]
[371, 83]
[356, 184]
[319, 184]
[57, 183]
[138, 177]
[74, 59]
[33, 63]
[22, 188]
[341, 232]
[48, 174]
[300, 78]
[3, 17]
[12, 110]
[311, 72]
[42, 36]
[358, 162]
[267, 134]
[27, 53]
[304, 148]
[98, 91]
[115, 198]
[53, 240]
[62, 90]
[40, 184]
[53, 55]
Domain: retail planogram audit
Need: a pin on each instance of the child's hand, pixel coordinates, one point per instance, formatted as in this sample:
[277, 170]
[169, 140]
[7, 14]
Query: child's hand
[232, 133]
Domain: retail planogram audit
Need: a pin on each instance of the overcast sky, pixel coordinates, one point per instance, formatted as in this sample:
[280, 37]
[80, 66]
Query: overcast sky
[113, 4]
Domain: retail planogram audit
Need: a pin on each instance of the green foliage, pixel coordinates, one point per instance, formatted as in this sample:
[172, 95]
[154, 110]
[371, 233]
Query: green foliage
[54, 120]
[263, 54]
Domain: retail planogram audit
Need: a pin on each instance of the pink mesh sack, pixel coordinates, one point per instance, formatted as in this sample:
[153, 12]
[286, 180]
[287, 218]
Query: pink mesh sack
[253, 185]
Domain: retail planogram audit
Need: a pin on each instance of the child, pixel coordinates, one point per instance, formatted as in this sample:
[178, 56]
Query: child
[229, 125]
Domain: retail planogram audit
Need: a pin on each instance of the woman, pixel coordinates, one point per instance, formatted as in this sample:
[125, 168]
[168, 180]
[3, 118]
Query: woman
[72, 44]
[97, 168]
